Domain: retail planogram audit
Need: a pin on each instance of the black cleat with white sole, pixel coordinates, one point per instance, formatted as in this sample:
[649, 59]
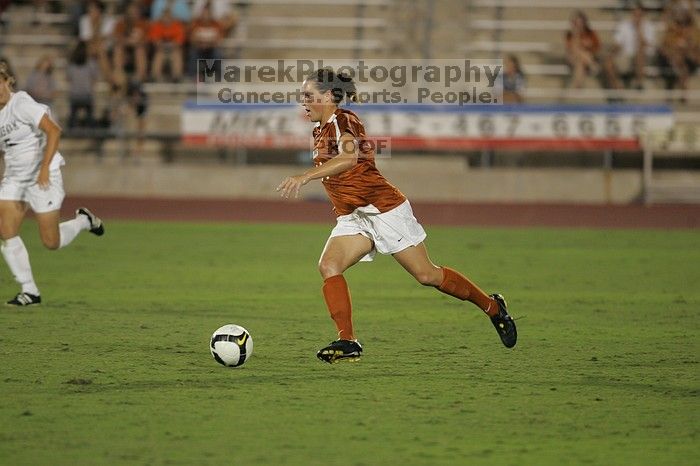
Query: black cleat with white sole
[96, 225]
[504, 323]
[340, 350]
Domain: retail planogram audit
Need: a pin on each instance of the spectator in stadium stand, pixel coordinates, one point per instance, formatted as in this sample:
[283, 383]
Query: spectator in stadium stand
[82, 73]
[40, 83]
[180, 9]
[679, 9]
[3, 6]
[634, 45]
[96, 27]
[167, 35]
[206, 34]
[75, 9]
[137, 101]
[582, 48]
[679, 52]
[221, 10]
[513, 80]
[128, 103]
[41, 7]
[144, 6]
[130, 41]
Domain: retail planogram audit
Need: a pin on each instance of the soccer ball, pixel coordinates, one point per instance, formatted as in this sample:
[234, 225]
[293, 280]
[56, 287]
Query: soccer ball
[231, 345]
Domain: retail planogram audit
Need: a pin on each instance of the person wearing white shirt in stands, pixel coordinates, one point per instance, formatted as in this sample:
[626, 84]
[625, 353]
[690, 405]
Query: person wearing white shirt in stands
[96, 25]
[29, 139]
[634, 46]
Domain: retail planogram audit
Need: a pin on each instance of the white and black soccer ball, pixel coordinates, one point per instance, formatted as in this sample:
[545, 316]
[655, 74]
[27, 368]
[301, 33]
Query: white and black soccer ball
[231, 345]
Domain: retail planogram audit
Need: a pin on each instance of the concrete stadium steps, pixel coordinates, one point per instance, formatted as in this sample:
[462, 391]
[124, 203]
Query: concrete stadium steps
[85, 152]
[333, 36]
[556, 38]
[164, 123]
[16, 27]
[279, 29]
[547, 82]
[76, 146]
[563, 14]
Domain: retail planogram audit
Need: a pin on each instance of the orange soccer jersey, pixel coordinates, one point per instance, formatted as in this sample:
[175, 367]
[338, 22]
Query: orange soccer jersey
[362, 184]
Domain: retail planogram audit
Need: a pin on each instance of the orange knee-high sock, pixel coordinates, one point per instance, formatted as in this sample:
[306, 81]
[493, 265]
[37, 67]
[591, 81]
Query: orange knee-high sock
[337, 296]
[457, 285]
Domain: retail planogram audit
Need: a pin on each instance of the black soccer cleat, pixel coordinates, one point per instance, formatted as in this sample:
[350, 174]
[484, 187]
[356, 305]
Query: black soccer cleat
[96, 225]
[504, 323]
[340, 350]
[24, 299]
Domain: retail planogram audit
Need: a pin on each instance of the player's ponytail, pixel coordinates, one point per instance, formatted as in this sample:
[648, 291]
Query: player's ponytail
[340, 84]
[6, 73]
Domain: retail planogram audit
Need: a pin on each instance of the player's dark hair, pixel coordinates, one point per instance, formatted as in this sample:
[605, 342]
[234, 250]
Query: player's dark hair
[6, 73]
[341, 84]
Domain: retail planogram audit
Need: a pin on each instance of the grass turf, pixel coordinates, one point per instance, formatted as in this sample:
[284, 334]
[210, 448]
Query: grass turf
[114, 368]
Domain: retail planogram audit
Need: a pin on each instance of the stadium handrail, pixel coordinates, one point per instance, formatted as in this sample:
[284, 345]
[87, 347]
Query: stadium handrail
[510, 46]
[601, 94]
[317, 2]
[331, 21]
[572, 4]
[568, 4]
[535, 24]
[565, 70]
[29, 17]
[681, 141]
[328, 44]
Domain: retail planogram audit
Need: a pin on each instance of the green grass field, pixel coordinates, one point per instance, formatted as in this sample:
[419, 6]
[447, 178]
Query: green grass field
[114, 368]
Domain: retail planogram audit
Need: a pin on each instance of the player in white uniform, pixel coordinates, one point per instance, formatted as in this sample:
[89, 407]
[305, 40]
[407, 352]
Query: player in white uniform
[32, 178]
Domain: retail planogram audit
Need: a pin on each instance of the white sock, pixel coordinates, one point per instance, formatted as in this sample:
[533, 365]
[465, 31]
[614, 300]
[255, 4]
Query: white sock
[70, 229]
[17, 258]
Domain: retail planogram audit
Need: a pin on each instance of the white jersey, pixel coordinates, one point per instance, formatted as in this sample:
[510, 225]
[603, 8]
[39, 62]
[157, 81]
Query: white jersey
[22, 140]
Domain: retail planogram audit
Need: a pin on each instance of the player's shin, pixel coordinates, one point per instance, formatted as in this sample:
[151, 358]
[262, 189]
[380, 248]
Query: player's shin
[457, 285]
[337, 296]
[71, 228]
[17, 259]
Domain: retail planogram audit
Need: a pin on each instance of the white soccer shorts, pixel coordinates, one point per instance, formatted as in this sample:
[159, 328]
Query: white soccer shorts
[40, 200]
[391, 231]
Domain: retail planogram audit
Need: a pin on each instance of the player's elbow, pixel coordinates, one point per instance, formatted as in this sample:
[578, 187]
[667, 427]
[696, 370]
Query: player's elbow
[53, 133]
[349, 162]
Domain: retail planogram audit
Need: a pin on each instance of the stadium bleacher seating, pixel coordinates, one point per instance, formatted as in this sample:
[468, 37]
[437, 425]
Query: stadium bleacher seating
[369, 29]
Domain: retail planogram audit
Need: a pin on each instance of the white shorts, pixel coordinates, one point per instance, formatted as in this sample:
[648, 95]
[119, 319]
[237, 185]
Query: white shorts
[40, 200]
[391, 231]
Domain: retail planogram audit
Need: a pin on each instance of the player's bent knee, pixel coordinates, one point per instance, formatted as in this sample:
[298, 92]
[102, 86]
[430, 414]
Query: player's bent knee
[51, 243]
[329, 269]
[427, 278]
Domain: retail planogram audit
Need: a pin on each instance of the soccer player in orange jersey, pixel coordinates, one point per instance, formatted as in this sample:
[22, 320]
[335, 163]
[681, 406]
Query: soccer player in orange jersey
[373, 215]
